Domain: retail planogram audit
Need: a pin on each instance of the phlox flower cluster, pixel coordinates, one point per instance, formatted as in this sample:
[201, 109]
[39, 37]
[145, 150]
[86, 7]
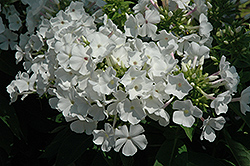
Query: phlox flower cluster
[101, 75]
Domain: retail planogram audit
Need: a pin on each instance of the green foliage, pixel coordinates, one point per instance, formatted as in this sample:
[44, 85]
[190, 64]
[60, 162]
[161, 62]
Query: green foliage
[116, 10]
[241, 153]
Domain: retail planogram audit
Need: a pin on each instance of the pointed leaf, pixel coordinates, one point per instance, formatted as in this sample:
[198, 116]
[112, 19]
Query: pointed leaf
[189, 132]
[240, 152]
[6, 138]
[9, 117]
[72, 148]
[236, 108]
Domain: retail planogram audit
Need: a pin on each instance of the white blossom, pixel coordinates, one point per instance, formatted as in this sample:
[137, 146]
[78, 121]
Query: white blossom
[177, 85]
[105, 137]
[186, 113]
[220, 102]
[209, 125]
[130, 140]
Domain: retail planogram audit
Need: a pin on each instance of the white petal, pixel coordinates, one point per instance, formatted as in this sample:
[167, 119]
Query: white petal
[99, 136]
[119, 143]
[77, 126]
[209, 134]
[135, 130]
[122, 131]
[140, 141]
[129, 149]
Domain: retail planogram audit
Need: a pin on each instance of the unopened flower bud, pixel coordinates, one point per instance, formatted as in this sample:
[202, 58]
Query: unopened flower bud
[238, 29]
[226, 42]
[230, 31]
[213, 58]
[209, 5]
[212, 78]
[184, 67]
[161, 16]
[170, 14]
[181, 27]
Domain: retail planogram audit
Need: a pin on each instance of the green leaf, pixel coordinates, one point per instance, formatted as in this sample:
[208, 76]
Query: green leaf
[157, 163]
[236, 108]
[240, 152]
[169, 149]
[72, 148]
[189, 132]
[203, 159]
[9, 117]
[53, 148]
[244, 79]
[6, 137]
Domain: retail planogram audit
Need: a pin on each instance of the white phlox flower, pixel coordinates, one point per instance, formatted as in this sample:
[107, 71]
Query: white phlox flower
[36, 42]
[211, 124]
[10, 10]
[80, 60]
[120, 97]
[99, 44]
[14, 22]
[131, 26]
[75, 10]
[245, 100]
[205, 26]
[23, 85]
[130, 140]
[65, 79]
[184, 43]
[69, 102]
[161, 116]
[164, 37]
[131, 111]
[152, 50]
[147, 23]
[229, 75]
[131, 74]
[141, 6]
[120, 56]
[195, 50]
[152, 103]
[186, 113]
[139, 87]
[159, 67]
[86, 125]
[62, 20]
[8, 39]
[114, 34]
[105, 137]
[220, 102]
[2, 26]
[106, 83]
[182, 4]
[177, 85]
[199, 7]
[136, 59]
[98, 113]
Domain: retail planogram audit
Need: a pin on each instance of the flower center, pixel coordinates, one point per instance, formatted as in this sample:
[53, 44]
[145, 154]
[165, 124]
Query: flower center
[179, 84]
[112, 82]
